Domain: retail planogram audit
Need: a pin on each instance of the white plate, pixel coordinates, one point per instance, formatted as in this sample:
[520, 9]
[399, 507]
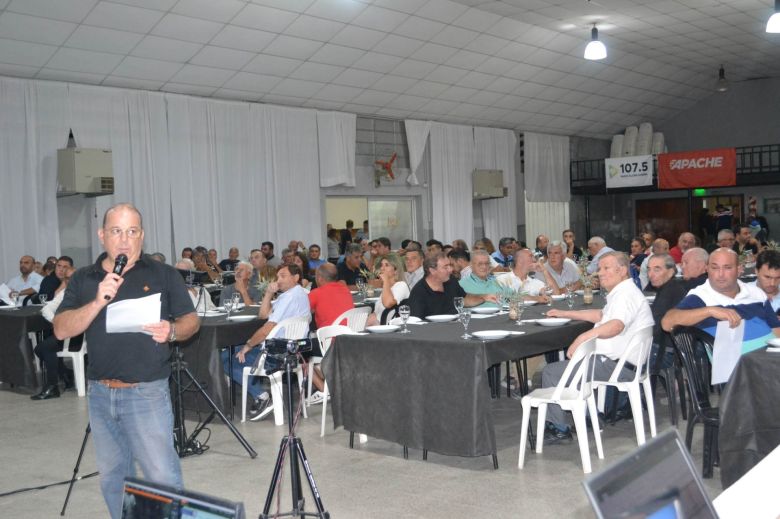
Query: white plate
[582, 292]
[774, 342]
[553, 321]
[371, 299]
[515, 332]
[411, 320]
[383, 328]
[773, 349]
[529, 303]
[241, 317]
[558, 297]
[213, 313]
[491, 334]
[8, 307]
[484, 310]
[441, 318]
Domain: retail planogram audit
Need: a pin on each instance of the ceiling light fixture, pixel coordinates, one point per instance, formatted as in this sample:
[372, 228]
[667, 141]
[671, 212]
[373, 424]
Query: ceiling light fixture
[596, 50]
[773, 24]
[722, 85]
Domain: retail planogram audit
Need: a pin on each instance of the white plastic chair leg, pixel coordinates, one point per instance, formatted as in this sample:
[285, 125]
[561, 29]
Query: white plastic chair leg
[578, 413]
[594, 422]
[524, 431]
[540, 417]
[324, 409]
[363, 438]
[244, 382]
[78, 374]
[650, 405]
[278, 399]
[310, 369]
[635, 399]
[601, 391]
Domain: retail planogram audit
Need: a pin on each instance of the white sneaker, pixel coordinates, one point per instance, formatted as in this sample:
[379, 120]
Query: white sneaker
[316, 398]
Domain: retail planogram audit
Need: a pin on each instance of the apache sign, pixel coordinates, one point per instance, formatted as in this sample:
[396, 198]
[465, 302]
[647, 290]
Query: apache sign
[692, 169]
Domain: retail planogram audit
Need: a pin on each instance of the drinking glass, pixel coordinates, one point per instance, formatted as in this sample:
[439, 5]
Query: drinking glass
[360, 283]
[236, 298]
[548, 291]
[520, 308]
[570, 296]
[228, 307]
[459, 304]
[465, 317]
[404, 311]
[42, 298]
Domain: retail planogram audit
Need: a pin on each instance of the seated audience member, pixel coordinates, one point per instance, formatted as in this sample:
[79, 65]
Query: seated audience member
[300, 259]
[28, 282]
[597, 247]
[768, 276]
[723, 297]
[46, 269]
[229, 263]
[541, 245]
[333, 246]
[745, 241]
[293, 301]
[572, 251]
[201, 300]
[201, 264]
[248, 278]
[482, 245]
[330, 299]
[433, 246]
[559, 271]
[648, 238]
[186, 252]
[460, 261]
[660, 246]
[212, 261]
[625, 313]
[267, 248]
[296, 246]
[489, 247]
[460, 244]
[53, 281]
[661, 270]
[381, 247]
[480, 281]
[413, 260]
[158, 256]
[684, 242]
[694, 267]
[519, 278]
[394, 287]
[503, 255]
[725, 239]
[637, 255]
[436, 292]
[350, 270]
[47, 349]
[314, 257]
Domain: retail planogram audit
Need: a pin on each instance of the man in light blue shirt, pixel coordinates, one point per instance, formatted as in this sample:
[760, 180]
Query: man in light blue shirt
[480, 281]
[597, 247]
[503, 256]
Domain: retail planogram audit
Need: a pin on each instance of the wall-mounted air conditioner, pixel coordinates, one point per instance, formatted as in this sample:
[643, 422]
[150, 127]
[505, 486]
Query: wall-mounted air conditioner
[84, 171]
[488, 183]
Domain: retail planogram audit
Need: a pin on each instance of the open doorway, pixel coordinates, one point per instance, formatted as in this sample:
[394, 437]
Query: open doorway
[392, 217]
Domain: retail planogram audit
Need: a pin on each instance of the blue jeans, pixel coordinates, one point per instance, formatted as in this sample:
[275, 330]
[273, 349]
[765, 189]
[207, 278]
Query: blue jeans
[132, 425]
[255, 384]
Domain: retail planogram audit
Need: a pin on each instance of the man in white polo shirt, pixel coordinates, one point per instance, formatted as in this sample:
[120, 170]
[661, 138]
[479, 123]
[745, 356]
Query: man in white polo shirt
[625, 313]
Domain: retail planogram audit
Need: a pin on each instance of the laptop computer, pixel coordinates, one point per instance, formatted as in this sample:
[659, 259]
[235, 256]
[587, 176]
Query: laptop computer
[658, 481]
[143, 500]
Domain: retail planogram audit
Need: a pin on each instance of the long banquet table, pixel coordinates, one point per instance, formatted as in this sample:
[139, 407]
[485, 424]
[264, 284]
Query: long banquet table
[17, 360]
[429, 389]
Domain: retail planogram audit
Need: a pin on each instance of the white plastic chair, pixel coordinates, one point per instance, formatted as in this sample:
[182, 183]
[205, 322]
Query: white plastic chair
[571, 398]
[77, 357]
[294, 328]
[638, 353]
[325, 336]
[356, 318]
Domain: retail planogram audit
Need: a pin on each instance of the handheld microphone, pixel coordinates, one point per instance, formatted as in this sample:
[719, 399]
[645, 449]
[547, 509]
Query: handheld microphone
[119, 266]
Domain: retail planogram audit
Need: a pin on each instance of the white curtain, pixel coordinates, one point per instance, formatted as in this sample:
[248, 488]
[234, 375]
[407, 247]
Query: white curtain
[452, 163]
[546, 168]
[548, 218]
[336, 135]
[495, 149]
[417, 138]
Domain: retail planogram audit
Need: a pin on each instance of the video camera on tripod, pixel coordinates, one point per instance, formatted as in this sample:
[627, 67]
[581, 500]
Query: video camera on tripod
[277, 351]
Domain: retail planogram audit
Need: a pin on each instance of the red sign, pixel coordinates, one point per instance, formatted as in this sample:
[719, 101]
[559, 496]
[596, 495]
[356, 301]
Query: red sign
[692, 169]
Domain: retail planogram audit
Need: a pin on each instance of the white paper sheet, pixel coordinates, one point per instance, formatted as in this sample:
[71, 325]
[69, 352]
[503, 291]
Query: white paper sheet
[130, 315]
[5, 295]
[726, 350]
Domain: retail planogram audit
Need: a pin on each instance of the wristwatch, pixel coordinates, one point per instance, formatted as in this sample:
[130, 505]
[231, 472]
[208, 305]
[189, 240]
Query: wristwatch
[172, 336]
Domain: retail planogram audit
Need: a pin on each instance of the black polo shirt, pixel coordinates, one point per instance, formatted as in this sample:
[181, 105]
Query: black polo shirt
[130, 357]
[423, 300]
[347, 275]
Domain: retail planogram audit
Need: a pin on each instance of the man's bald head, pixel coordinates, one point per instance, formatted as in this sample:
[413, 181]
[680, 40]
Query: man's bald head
[660, 246]
[694, 263]
[327, 273]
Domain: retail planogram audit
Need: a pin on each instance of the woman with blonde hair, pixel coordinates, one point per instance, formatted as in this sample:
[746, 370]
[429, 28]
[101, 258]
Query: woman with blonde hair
[394, 287]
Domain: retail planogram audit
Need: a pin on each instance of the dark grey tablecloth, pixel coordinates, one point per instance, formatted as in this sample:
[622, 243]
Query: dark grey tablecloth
[429, 389]
[17, 360]
[201, 353]
[749, 415]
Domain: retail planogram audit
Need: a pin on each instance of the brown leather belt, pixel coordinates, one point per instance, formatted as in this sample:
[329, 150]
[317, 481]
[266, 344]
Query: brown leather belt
[113, 383]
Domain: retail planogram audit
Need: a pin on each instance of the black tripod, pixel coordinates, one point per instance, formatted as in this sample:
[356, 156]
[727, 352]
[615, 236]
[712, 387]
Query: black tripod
[293, 447]
[187, 445]
[76, 470]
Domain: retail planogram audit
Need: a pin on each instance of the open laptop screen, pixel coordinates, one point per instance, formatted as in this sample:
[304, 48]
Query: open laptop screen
[143, 500]
[658, 480]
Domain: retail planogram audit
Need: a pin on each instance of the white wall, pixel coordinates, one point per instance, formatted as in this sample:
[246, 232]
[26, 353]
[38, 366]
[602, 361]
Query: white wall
[340, 209]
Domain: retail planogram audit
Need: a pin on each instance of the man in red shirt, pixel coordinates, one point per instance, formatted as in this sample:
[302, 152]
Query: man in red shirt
[330, 299]
[685, 242]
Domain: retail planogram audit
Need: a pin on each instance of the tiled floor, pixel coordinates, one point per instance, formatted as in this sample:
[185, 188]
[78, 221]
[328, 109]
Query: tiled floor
[40, 443]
